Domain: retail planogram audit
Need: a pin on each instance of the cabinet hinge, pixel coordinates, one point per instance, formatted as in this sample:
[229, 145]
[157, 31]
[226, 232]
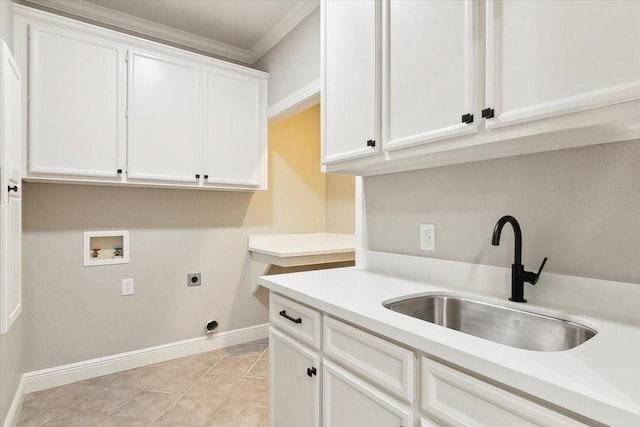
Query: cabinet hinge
[371, 143]
[488, 113]
[467, 118]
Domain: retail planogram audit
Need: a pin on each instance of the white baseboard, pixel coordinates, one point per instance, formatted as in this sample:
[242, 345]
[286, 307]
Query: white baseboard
[298, 101]
[66, 374]
[16, 405]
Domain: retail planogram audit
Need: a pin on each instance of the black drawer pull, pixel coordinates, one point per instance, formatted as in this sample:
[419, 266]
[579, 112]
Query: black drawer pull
[311, 371]
[284, 314]
[14, 188]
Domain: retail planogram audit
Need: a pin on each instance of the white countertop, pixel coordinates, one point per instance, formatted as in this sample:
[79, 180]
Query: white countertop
[295, 245]
[599, 379]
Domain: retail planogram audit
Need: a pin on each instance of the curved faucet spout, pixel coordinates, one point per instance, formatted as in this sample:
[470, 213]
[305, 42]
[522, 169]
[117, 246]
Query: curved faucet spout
[495, 240]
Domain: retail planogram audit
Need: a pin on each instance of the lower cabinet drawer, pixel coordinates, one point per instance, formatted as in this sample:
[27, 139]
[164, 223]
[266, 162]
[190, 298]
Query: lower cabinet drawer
[350, 402]
[461, 400]
[297, 320]
[382, 363]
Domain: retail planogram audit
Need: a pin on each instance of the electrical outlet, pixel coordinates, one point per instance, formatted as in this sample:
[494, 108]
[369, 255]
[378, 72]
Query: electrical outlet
[127, 287]
[194, 279]
[428, 237]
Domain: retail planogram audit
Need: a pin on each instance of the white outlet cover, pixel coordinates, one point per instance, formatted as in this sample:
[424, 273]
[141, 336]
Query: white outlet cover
[427, 237]
[127, 287]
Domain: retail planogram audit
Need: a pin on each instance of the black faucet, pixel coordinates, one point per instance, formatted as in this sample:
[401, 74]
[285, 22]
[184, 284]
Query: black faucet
[518, 274]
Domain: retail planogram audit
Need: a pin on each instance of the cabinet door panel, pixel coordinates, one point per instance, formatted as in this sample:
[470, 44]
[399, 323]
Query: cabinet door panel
[294, 395]
[164, 118]
[77, 108]
[429, 71]
[350, 98]
[549, 58]
[10, 201]
[349, 401]
[235, 133]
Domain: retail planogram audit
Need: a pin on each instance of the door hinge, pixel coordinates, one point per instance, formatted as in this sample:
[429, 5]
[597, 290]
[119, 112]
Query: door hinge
[488, 113]
[371, 143]
[467, 118]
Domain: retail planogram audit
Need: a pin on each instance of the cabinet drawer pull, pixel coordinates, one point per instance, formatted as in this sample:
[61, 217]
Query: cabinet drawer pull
[311, 371]
[14, 188]
[284, 314]
[119, 171]
[488, 113]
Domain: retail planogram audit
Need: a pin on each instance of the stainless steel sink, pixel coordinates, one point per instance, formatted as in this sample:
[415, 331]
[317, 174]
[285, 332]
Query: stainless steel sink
[504, 325]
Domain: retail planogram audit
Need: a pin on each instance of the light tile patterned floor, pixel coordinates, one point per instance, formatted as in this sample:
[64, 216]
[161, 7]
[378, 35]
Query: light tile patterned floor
[221, 388]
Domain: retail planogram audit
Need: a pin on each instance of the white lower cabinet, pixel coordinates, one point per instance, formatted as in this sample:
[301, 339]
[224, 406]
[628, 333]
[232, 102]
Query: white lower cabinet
[349, 401]
[462, 400]
[294, 387]
[367, 380]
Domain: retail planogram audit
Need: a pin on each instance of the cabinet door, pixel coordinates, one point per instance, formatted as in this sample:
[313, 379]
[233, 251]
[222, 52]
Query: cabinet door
[10, 191]
[164, 118]
[294, 386]
[349, 401]
[429, 71]
[548, 58]
[77, 103]
[235, 129]
[350, 78]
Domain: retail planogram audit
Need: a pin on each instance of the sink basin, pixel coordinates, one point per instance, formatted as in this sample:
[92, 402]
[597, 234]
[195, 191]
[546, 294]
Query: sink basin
[504, 325]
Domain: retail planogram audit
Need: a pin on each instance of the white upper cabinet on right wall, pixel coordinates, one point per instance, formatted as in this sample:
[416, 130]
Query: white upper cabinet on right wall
[471, 80]
[429, 71]
[350, 79]
[549, 58]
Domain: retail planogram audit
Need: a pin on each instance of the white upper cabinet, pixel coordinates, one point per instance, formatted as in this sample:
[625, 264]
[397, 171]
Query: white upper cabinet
[235, 129]
[107, 108]
[429, 71]
[350, 79]
[549, 58]
[10, 191]
[464, 80]
[164, 129]
[77, 103]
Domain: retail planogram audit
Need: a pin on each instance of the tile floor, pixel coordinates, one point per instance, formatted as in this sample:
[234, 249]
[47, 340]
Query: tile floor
[221, 388]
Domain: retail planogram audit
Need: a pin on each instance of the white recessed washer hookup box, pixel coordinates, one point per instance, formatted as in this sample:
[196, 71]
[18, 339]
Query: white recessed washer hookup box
[105, 248]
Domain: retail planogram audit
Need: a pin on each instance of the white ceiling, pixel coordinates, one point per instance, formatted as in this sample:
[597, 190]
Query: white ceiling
[237, 29]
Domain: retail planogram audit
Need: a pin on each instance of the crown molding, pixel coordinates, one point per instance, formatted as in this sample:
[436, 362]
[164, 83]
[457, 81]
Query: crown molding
[131, 23]
[282, 28]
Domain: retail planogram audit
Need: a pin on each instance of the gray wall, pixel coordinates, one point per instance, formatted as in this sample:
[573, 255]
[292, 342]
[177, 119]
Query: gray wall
[11, 344]
[580, 207]
[295, 61]
[74, 313]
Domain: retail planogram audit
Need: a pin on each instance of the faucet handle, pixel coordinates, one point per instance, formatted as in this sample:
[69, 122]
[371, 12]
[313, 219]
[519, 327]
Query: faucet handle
[534, 277]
